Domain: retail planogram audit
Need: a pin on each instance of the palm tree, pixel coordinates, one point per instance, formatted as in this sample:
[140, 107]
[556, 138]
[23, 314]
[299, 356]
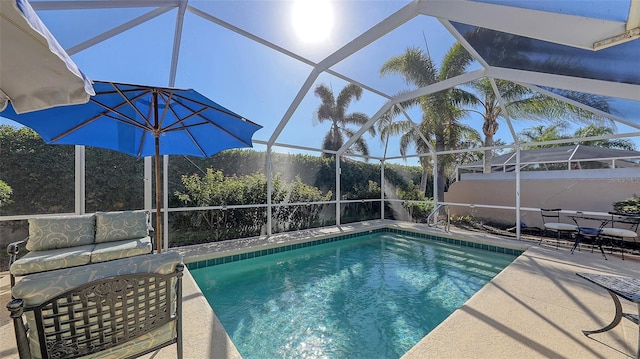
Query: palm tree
[335, 111]
[556, 130]
[593, 130]
[441, 113]
[542, 133]
[522, 102]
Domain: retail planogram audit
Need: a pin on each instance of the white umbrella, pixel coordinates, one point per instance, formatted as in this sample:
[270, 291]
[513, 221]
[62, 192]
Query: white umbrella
[35, 71]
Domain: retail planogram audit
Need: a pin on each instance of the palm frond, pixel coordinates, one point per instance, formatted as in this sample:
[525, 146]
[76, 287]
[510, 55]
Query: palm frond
[594, 130]
[455, 62]
[347, 94]
[325, 94]
[359, 119]
[326, 109]
[414, 66]
[360, 146]
[395, 128]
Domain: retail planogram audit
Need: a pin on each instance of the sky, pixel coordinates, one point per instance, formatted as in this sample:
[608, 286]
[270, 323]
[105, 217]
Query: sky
[247, 77]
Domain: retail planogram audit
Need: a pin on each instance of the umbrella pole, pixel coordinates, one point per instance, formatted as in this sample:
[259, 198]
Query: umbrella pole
[156, 137]
[158, 195]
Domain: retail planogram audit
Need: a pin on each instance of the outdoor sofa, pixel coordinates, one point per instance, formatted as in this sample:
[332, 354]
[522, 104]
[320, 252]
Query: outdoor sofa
[117, 309]
[69, 241]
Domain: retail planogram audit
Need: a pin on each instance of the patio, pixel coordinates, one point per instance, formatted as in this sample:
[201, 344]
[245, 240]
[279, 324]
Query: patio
[535, 308]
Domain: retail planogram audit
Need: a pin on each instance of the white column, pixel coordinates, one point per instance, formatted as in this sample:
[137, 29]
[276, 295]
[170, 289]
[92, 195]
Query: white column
[338, 172]
[518, 192]
[435, 179]
[80, 180]
[148, 188]
[165, 202]
[382, 185]
[269, 191]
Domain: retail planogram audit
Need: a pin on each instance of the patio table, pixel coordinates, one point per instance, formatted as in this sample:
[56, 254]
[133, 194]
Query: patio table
[590, 232]
[617, 286]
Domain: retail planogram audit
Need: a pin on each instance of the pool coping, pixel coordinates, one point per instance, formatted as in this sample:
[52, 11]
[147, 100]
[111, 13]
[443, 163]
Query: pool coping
[203, 255]
[249, 254]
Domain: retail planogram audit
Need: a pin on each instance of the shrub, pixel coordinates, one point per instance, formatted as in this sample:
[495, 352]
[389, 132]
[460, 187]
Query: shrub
[629, 205]
[5, 193]
[418, 212]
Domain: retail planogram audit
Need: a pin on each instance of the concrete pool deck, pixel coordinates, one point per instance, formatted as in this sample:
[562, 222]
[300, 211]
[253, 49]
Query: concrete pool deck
[535, 308]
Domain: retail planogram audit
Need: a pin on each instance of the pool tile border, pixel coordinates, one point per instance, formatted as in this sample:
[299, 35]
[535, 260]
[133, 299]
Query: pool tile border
[290, 247]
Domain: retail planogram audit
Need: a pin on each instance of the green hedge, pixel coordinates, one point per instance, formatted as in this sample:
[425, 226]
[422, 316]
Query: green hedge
[42, 180]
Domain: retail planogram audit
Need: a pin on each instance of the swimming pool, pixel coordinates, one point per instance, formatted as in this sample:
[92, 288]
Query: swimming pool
[372, 296]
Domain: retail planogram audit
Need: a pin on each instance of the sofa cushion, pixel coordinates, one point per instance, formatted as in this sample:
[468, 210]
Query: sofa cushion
[60, 232]
[138, 345]
[42, 261]
[36, 288]
[117, 226]
[125, 350]
[121, 249]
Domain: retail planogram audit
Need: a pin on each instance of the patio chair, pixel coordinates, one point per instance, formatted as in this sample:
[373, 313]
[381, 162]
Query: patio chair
[551, 221]
[621, 230]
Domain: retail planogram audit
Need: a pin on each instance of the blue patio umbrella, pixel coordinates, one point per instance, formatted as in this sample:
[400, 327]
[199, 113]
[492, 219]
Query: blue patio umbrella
[143, 121]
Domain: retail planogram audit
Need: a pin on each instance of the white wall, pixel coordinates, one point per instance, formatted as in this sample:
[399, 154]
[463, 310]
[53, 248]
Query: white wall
[575, 190]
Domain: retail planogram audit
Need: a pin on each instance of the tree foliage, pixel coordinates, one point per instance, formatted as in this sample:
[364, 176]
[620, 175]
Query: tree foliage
[114, 181]
[42, 180]
[593, 130]
[41, 176]
[558, 131]
[417, 211]
[629, 205]
[215, 189]
[5, 193]
[544, 133]
[364, 210]
[440, 128]
[335, 111]
[290, 218]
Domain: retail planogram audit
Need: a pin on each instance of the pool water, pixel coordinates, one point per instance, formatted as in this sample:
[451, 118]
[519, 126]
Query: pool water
[373, 296]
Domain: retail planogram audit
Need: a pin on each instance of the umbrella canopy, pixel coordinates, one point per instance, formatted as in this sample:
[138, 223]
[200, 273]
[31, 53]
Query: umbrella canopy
[35, 71]
[143, 121]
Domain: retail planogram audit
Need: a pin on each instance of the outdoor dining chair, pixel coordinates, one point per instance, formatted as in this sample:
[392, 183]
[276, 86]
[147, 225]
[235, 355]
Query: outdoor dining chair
[621, 230]
[551, 221]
